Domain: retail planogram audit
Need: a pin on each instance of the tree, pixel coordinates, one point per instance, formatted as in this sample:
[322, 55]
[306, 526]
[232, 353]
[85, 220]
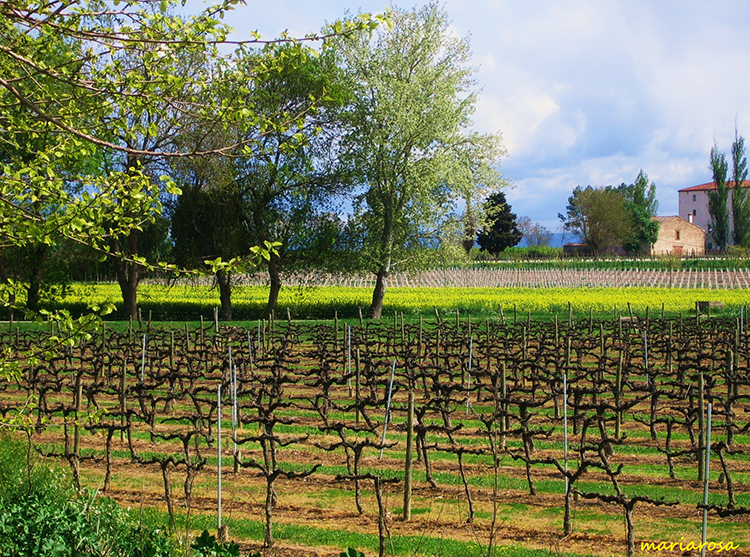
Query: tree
[599, 216]
[740, 197]
[107, 108]
[30, 266]
[101, 100]
[412, 97]
[500, 230]
[640, 200]
[718, 200]
[279, 188]
[534, 233]
[292, 176]
[477, 177]
[208, 223]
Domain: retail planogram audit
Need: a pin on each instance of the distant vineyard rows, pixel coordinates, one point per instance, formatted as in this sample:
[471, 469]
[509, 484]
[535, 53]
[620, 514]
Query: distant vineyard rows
[529, 278]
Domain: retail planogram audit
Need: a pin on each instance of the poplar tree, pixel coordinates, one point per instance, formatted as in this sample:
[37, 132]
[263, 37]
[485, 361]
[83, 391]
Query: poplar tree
[718, 200]
[740, 198]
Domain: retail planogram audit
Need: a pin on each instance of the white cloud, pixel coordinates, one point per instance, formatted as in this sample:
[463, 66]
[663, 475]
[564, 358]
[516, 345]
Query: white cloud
[586, 91]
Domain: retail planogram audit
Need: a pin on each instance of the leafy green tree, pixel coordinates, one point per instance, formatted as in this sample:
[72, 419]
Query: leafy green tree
[740, 197]
[30, 267]
[718, 200]
[292, 175]
[640, 200]
[412, 98]
[500, 230]
[119, 68]
[208, 223]
[476, 177]
[279, 188]
[599, 216]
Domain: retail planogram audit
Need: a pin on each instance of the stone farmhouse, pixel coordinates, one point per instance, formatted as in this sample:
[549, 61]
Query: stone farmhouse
[678, 237]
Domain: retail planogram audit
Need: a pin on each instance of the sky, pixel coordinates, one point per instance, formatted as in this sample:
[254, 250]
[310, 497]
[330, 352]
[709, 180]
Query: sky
[584, 92]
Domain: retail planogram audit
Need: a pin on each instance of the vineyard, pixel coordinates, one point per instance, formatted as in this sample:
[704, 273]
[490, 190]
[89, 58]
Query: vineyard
[453, 437]
[545, 277]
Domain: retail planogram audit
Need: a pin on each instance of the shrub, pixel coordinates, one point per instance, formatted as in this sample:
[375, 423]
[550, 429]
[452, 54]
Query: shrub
[42, 515]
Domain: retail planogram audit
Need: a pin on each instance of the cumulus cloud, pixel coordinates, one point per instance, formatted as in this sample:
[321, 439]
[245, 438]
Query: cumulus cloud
[586, 91]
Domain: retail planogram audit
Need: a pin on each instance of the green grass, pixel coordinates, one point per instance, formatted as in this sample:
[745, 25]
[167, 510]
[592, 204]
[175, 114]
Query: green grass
[425, 545]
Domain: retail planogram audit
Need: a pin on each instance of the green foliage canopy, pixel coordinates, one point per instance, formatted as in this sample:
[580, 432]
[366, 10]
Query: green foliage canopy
[599, 216]
[412, 100]
[500, 229]
[640, 200]
[87, 91]
[718, 200]
[740, 197]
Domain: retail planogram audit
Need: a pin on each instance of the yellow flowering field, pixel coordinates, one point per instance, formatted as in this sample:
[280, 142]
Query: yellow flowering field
[181, 301]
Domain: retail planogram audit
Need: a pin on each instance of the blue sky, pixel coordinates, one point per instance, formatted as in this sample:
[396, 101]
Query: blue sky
[583, 92]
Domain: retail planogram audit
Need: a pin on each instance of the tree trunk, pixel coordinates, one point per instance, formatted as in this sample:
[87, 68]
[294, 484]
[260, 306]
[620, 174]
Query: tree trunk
[35, 279]
[225, 294]
[270, 495]
[274, 276]
[567, 524]
[5, 279]
[376, 308]
[630, 530]
[128, 275]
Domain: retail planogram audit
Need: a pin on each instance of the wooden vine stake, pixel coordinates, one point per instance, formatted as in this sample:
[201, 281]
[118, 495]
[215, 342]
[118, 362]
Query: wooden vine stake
[565, 426]
[618, 394]
[468, 375]
[123, 386]
[76, 426]
[235, 414]
[349, 359]
[143, 359]
[505, 419]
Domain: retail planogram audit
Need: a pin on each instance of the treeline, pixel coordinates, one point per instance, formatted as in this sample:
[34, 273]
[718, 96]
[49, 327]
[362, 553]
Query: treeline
[137, 148]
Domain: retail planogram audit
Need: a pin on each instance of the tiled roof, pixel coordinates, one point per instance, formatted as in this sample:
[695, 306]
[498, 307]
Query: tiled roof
[683, 222]
[712, 186]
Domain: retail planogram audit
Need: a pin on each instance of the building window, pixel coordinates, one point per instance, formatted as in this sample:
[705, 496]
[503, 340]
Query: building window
[695, 197]
[677, 235]
[695, 212]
